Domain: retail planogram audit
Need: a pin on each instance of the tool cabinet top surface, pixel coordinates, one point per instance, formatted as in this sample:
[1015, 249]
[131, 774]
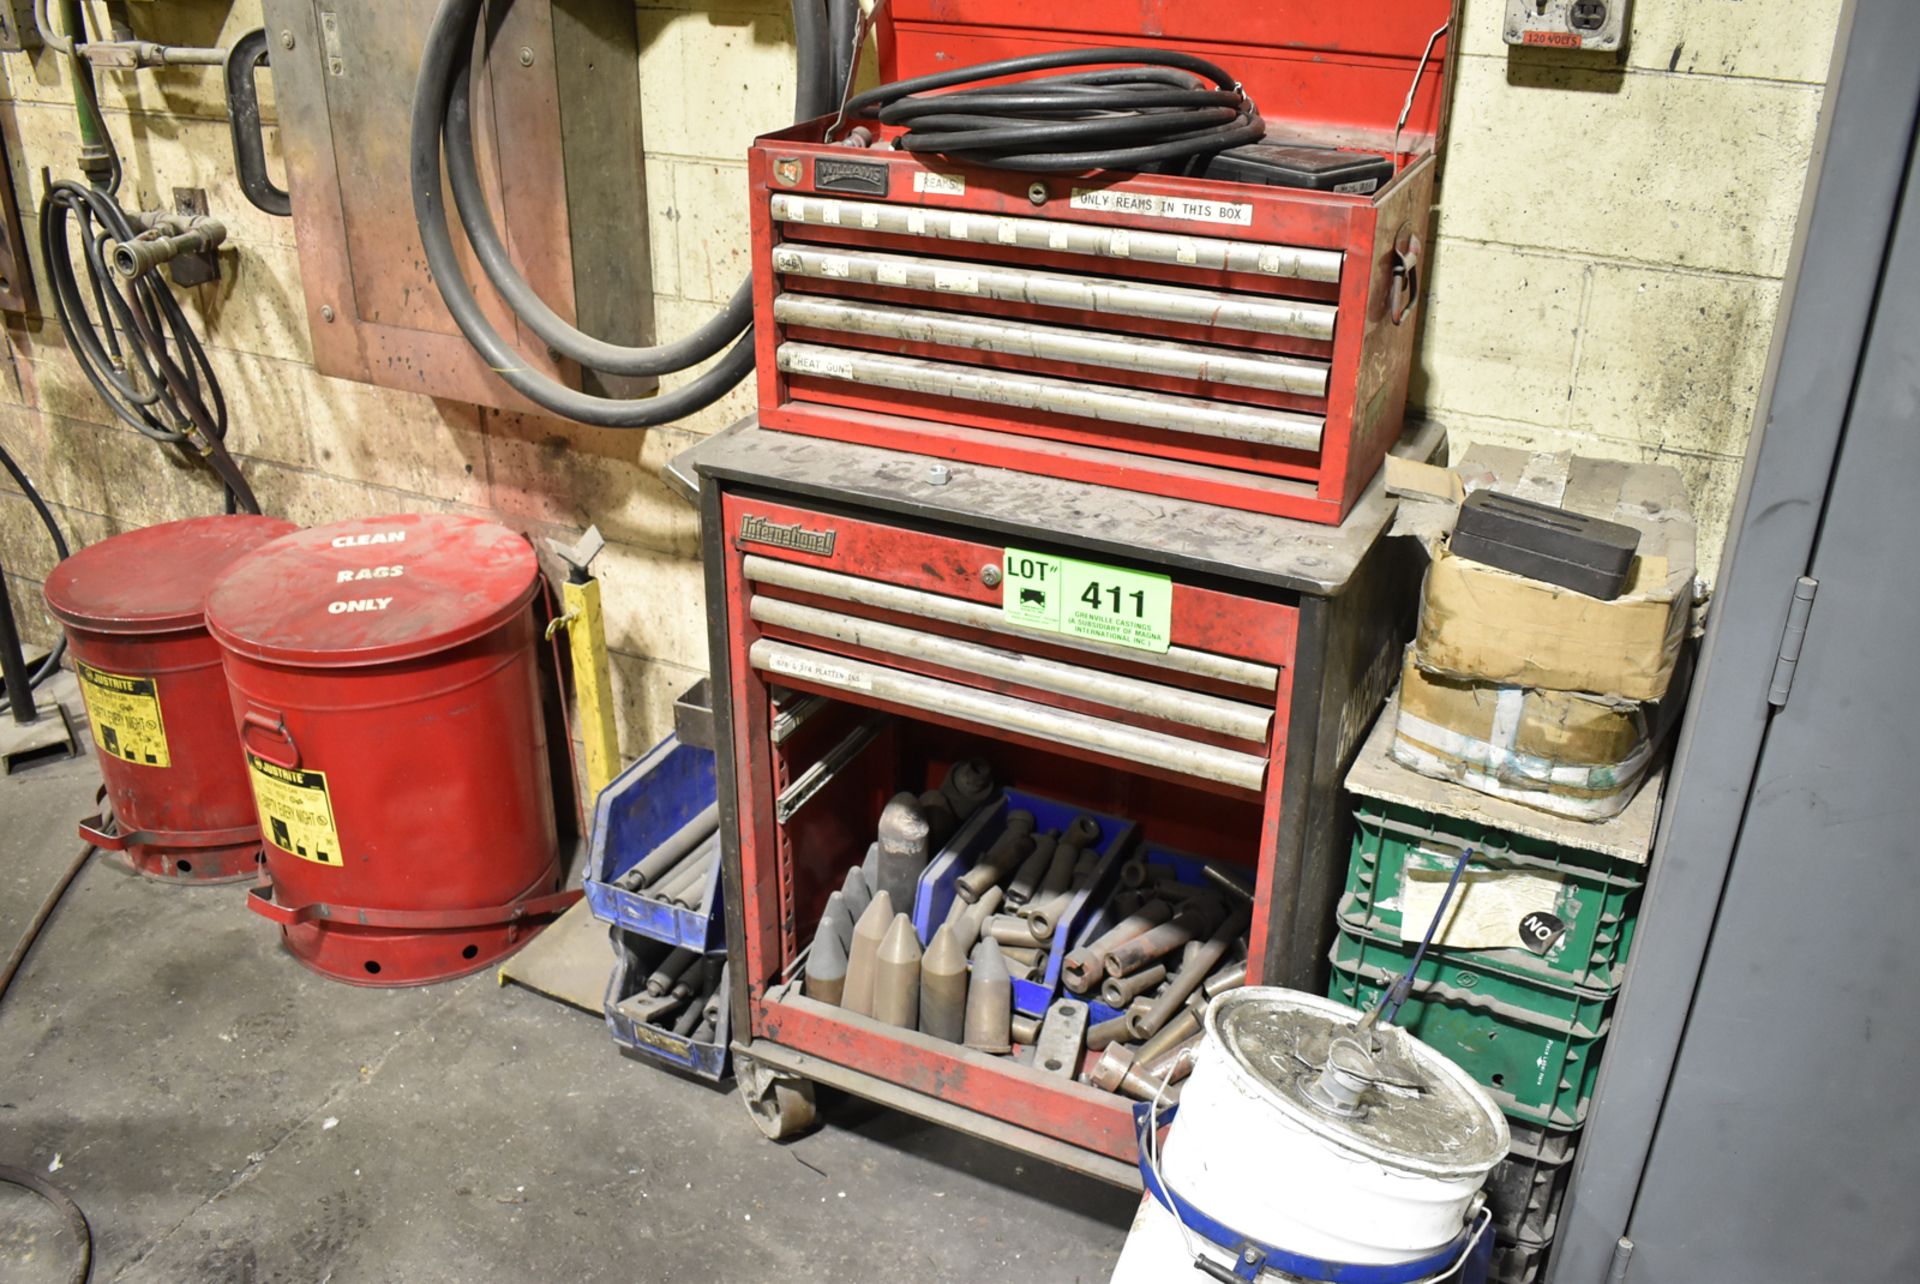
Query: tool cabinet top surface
[1181, 534]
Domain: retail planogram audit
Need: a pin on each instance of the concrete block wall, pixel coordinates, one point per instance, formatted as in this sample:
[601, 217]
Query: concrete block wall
[1605, 277]
[1610, 238]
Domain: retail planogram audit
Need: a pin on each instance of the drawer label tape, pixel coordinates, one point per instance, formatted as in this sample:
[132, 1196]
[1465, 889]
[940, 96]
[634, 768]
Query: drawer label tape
[1108, 200]
[823, 671]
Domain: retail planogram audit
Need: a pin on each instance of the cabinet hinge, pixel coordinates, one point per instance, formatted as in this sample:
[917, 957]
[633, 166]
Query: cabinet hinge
[1622, 1260]
[1791, 640]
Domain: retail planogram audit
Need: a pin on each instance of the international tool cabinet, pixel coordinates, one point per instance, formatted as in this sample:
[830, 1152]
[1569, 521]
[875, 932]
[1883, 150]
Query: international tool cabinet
[1236, 343]
[861, 643]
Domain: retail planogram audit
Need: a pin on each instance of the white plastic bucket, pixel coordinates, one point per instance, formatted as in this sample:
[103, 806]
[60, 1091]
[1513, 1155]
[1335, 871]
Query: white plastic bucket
[1279, 1171]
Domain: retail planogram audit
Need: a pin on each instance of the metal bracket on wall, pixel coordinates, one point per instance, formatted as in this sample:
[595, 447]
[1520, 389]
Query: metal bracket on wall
[16, 276]
[187, 240]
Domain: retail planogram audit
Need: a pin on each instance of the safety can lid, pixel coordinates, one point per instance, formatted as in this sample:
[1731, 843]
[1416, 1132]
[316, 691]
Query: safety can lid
[373, 590]
[1367, 1088]
[155, 579]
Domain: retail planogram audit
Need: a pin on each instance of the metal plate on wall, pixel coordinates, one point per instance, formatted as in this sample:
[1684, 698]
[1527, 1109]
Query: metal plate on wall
[16, 272]
[344, 73]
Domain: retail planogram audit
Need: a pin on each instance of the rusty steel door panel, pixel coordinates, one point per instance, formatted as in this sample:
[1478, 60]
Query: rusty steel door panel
[344, 74]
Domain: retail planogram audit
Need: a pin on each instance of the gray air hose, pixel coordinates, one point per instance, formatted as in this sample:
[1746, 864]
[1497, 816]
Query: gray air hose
[442, 115]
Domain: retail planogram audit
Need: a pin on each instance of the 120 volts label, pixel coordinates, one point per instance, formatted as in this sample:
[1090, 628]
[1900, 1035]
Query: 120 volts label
[296, 813]
[1088, 600]
[125, 713]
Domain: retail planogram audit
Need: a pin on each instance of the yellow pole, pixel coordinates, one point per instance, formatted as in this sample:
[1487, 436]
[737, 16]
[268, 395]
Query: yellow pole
[592, 683]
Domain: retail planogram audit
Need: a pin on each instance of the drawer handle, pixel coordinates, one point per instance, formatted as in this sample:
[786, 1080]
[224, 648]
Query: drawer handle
[1206, 253]
[1149, 699]
[1405, 290]
[975, 615]
[972, 335]
[1006, 713]
[1161, 411]
[973, 282]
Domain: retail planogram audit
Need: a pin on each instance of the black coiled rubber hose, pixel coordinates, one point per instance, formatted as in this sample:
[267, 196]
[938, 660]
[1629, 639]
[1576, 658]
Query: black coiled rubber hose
[1145, 108]
[123, 344]
[442, 116]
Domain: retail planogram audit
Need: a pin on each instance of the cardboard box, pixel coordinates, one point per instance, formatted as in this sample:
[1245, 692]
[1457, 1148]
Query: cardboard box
[1561, 751]
[1489, 625]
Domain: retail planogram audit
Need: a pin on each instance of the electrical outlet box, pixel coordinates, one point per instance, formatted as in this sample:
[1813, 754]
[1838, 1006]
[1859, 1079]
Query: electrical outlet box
[1568, 24]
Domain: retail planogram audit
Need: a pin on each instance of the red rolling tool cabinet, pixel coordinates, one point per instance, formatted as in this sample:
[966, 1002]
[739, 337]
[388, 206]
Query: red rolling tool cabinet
[1234, 343]
[859, 646]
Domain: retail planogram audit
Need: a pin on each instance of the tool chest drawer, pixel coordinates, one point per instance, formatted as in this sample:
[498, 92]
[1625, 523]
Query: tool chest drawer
[918, 623]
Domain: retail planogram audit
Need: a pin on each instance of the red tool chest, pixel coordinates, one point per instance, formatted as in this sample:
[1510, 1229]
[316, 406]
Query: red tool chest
[1237, 344]
[860, 647]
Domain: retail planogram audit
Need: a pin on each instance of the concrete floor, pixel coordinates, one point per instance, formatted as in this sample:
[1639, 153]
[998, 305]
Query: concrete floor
[222, 1114]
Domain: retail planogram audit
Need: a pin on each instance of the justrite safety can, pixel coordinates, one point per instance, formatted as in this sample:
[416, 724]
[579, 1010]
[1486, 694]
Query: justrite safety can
[156, 697]
[385, 685]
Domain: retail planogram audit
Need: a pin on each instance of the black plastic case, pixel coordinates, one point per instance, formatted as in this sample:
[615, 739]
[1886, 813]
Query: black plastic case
[1572, 550]
[1319, 169]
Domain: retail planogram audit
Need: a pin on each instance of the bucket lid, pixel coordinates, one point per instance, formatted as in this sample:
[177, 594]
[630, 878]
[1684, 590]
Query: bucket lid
[373, 590]
[1392, 1098]
[155, 579]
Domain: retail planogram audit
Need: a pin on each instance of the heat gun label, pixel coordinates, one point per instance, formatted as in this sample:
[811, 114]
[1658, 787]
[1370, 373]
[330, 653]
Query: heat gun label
[125, 713]
[296, 813]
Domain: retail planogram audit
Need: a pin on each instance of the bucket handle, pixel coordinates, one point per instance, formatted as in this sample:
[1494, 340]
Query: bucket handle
[274, 725]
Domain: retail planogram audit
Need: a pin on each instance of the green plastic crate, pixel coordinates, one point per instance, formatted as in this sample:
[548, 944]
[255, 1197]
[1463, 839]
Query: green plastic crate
[1536, 1049]
[1599, 897]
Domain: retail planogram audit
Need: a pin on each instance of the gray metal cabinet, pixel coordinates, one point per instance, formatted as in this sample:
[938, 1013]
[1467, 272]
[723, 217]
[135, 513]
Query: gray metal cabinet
[1756, 1121]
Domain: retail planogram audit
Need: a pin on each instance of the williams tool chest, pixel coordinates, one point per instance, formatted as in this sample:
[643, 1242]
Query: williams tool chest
[1233, 342]
[1199, 673]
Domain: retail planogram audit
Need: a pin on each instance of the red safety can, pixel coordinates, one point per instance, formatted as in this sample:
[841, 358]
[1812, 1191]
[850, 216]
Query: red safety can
[385, 683]
[132, 607]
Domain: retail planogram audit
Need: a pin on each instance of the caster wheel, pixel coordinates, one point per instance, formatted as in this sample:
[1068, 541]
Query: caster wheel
[780, 1106]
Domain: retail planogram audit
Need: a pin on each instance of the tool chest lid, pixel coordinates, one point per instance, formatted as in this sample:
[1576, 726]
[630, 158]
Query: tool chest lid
[154, 580]
[1344, 66]
[373, 590]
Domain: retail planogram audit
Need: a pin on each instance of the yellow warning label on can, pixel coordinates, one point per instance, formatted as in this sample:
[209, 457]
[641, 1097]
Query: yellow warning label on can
[125, 713]
[296, 815]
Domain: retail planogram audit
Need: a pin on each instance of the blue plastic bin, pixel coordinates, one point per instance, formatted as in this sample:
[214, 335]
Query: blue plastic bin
[645, 805]
[934, 896]
[635, 958]
[1186, 869]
